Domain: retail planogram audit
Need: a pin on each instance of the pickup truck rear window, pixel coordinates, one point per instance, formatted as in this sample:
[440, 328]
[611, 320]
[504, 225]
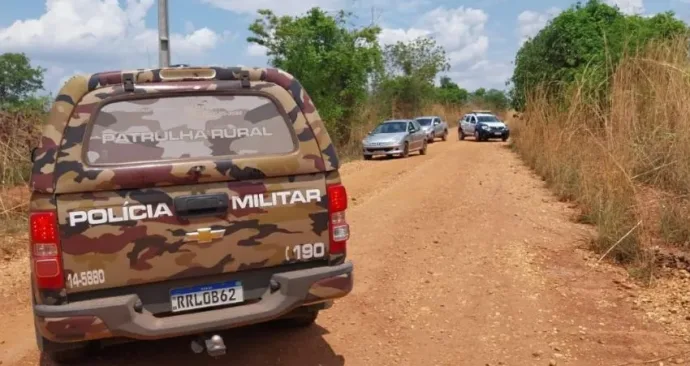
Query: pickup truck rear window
[181, 127]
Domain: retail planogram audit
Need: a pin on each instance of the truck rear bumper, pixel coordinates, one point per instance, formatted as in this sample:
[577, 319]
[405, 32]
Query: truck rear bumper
[117, 317]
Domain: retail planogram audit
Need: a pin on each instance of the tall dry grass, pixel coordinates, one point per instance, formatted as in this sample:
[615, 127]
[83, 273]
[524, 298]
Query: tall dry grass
[18, 133]
[607, 156]
[371, 115]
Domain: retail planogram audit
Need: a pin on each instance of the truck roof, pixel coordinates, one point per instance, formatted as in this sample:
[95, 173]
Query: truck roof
[82, 95]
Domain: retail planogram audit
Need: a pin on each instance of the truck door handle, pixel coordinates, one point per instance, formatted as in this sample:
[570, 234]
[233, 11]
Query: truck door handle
[201, 205]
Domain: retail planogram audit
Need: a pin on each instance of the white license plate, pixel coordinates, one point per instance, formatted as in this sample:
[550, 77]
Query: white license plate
[199, 297]
[497, 133]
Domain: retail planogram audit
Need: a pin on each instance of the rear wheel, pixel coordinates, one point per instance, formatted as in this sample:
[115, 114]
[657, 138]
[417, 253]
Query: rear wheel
[66, 357]
[423, 150]
[299, 321]
[58, 353]
[445, 135]
[367, 157]
[461, 134]
[303, 321]
[51, 354]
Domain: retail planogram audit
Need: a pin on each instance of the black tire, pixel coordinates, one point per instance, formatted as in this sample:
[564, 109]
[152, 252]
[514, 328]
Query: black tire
[422, 151]
[406, 150]
[461, 135]
[445, 135]
[477, 137]
[301, 321]
[367, 157]
[66, 357]
[50, 355]
[504, 138]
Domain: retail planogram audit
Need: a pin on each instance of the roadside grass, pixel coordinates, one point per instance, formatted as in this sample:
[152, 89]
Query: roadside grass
[371, 115]
[600, 155]
[20, 132]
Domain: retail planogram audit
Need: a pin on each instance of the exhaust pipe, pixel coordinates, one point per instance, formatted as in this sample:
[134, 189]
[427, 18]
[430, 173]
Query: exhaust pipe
[214, 345]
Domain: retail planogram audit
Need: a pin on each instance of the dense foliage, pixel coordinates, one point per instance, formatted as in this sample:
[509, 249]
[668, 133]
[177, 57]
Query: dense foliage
[353, 79]
[585, 41]
[409, 76]
[19, 82]
[345, 68]
[333, 63]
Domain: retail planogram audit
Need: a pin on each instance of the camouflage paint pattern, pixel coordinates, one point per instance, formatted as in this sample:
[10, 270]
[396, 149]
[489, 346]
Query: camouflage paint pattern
[73, 175]
[155, 249]
[329, 289]
[73, 329]
[60, 168]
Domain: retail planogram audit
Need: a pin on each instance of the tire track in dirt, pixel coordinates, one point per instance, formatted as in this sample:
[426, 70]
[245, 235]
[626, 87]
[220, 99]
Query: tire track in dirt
[457, 256]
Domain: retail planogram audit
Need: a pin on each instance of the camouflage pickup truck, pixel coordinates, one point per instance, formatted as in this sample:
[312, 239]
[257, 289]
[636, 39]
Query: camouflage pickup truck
[180, 202]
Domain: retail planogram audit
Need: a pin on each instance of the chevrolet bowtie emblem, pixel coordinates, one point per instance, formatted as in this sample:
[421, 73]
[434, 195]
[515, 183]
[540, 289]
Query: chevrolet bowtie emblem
[205, 235]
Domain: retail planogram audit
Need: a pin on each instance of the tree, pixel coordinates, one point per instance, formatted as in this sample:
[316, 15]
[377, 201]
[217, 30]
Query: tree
[410, 72]
[420, 57]
[450, 93]
[19, 81]
[479, 93]
[332, 62]
[584, 40]
[496, 99]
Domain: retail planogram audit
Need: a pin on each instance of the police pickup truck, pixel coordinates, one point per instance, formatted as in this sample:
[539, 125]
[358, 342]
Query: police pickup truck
[483, 125]
[180, 202]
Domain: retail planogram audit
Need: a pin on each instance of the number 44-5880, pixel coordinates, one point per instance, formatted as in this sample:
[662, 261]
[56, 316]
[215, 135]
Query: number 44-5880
[86, 278]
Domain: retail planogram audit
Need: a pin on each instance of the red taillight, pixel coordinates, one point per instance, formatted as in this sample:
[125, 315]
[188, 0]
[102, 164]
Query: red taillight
[45, 250]
[339, 228]
[337, 198]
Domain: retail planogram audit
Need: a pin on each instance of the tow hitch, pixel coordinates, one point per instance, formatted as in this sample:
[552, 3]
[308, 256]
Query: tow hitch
[213, 345]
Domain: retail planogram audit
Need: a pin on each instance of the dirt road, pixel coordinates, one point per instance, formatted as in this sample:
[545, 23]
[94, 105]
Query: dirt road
[461, 258]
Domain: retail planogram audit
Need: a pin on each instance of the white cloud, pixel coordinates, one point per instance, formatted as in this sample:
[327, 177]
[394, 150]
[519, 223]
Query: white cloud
[392, 36]
[459, 28]
[628, 6]
[283, 7]
[482, 74]
[256, 50]
[470, 51]
[531, 22]
[460, 31]
[98, 30]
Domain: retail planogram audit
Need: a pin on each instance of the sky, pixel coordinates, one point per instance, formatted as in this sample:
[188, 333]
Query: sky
[68, 37]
